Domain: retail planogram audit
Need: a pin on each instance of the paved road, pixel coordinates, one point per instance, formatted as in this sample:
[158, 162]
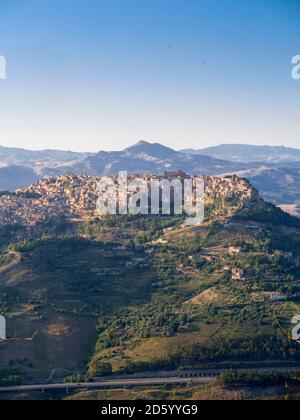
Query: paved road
[107, 384]
[197, 377]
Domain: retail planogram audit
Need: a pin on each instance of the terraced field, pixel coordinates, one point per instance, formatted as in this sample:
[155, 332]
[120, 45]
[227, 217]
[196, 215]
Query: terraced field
[57, 293]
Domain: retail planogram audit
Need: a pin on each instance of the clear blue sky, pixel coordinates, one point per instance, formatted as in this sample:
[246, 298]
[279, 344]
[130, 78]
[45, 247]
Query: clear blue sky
[103, 74]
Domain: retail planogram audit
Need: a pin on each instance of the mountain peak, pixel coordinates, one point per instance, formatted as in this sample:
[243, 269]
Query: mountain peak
[152, 149]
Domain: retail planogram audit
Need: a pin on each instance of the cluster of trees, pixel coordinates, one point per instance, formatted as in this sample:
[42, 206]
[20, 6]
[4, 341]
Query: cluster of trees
[96, 368]
[248, 349]
[256, 349]
[73, 241]
[8, 234]
[5, 260]
[269, 215]
[234, 378]
[149, 321]
[275, 347]
[10, 377]
[138, 222]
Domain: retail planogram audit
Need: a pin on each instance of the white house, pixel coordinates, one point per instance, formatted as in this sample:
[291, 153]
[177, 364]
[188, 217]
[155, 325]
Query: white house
[234, 250]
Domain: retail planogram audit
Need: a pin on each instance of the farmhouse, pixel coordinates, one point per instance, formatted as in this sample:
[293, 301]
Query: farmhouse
[234, 250]
[237, 274]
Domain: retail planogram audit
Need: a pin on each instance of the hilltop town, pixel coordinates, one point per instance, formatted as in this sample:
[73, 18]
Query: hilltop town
[76, 196]
[153, 292]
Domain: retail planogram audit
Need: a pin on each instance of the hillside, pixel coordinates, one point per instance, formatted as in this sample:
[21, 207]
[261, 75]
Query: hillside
[147, 293]
[199, 313]
[55, 295]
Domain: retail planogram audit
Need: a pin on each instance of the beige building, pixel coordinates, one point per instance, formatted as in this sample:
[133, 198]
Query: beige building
[234, 250]
[237, 274]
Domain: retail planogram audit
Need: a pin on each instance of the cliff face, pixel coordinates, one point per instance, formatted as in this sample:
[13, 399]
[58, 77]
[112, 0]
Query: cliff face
[77, 195]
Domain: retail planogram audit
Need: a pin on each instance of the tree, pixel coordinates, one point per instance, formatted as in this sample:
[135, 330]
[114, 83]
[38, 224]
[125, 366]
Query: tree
[99, 368]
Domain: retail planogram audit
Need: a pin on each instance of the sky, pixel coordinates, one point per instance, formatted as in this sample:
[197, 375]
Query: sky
[103, 74]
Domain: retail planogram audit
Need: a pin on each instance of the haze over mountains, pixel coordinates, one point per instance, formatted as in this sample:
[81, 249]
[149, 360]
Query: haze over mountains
[20, 168]
[275, 171]
[249, 153]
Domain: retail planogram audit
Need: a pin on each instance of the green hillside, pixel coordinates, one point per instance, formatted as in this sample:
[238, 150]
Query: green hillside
[146, 293]
[57, 292]
[198, 314]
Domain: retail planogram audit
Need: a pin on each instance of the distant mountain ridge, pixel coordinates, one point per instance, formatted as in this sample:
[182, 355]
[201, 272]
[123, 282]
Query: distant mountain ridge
[248, 153]
[14, 176]
[145, 157]
[16, 156]
[275, 171]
